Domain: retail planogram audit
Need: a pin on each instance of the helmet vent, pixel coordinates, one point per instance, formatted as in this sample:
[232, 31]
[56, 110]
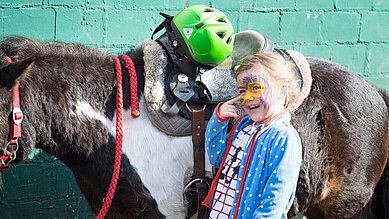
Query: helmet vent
[222, 20]
[199, 25]
[208, 10]
[221, 34]
[229, 40]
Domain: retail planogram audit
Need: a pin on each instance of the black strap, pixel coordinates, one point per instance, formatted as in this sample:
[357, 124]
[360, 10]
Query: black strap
[159, 28]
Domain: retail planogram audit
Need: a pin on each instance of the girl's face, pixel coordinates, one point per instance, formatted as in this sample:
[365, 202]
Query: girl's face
[261, 98]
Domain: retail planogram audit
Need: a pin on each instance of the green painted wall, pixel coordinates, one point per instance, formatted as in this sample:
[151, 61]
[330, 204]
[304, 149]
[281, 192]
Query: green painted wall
[354, 33]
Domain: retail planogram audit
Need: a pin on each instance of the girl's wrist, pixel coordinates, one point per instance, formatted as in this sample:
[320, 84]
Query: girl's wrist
[217, 113]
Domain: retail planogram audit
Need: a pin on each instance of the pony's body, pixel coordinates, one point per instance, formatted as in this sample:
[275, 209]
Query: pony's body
[68, 97]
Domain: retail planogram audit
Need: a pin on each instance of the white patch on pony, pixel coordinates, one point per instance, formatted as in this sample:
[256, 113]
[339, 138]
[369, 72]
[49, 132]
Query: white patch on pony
[84, 108]
[160, 160]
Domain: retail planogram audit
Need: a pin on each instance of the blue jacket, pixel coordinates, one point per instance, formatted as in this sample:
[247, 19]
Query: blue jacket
[271, 180]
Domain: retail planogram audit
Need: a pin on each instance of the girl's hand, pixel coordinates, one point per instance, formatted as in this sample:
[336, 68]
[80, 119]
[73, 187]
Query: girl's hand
[228, 109]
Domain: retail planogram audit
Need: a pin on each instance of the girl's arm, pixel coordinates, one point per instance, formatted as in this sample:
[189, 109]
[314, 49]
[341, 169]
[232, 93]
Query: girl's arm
[216, 137]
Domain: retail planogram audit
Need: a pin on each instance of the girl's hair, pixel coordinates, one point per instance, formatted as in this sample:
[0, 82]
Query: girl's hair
[281, 70]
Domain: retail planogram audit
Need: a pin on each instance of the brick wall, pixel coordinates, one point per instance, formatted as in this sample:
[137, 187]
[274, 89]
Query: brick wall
[353, 33]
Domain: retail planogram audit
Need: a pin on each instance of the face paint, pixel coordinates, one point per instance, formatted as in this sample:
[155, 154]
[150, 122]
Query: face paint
[254, 90]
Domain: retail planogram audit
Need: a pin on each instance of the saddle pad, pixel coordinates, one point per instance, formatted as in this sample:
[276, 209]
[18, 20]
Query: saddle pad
[220, 82]
[156, 60]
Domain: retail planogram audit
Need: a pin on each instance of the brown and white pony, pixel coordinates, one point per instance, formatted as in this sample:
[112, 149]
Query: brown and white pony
[68, 95]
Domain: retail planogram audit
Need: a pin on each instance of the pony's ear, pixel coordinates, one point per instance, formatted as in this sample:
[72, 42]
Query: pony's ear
[12, 71]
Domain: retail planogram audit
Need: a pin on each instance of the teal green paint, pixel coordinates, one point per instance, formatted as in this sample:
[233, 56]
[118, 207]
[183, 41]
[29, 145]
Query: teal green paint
[300, 26]
[20, 2]
[321, 51]
[130, 27]
[34, 23]
[353, 4]
[355, 34]
[381, 4]
[154, 5]
[345, 31]
[41, 188]
[375, 26]
[233, 5]
[83, 3]
[350, 56]
[266, 23]
[309, 4]
[70, 207]
[2, 23]
[274, 4]
[34, 153]
[380, 82]
[379, 60]
[80, 26]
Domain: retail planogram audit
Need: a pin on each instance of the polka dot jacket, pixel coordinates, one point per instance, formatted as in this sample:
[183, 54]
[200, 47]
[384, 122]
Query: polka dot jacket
[272, 172]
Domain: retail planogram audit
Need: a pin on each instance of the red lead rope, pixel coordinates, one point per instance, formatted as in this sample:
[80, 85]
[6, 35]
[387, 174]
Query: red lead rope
[119, 125]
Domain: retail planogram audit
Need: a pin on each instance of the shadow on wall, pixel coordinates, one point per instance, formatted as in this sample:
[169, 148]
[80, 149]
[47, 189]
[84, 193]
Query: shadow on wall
[42, 186]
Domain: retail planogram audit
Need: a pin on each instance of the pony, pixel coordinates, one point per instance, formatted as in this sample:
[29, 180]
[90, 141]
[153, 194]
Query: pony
[68, 96]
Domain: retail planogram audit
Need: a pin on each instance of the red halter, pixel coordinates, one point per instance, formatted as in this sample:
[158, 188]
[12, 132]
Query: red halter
[9, 151]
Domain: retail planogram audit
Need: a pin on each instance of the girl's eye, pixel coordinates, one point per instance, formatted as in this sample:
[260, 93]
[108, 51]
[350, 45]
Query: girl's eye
[241, 91]
[256, 88]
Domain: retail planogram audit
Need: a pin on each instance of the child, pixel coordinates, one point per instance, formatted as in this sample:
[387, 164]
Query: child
[259, 160]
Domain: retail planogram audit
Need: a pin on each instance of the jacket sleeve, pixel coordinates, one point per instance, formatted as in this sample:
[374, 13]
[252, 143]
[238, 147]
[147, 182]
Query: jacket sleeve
[283, 168]
[216, 138]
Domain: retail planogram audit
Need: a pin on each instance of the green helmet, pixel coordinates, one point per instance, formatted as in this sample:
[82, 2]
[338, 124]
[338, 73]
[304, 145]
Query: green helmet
[205, 33]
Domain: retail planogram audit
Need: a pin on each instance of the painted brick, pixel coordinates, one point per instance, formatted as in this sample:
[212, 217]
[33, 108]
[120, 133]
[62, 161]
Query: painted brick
[345, 31]
[18, 2]
[165, 4]
[321, 51]
[266, 23]
[274, 4]
[352, 57]
[28, 177]
[314, 5]
[381, 4]
[375, 26]
[2, 33]
[380, 82]
[300, 26]
[353, 4]
[379, 60]
[233, 5]
[235, 19]
[44, 188]
[153, 5]
[64, 184]
[130, 27]
[61, 208]
[77, 2]
[25, 22]
[78, 26]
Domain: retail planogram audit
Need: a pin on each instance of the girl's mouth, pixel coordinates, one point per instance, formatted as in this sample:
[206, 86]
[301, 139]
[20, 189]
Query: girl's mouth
[254, 107]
